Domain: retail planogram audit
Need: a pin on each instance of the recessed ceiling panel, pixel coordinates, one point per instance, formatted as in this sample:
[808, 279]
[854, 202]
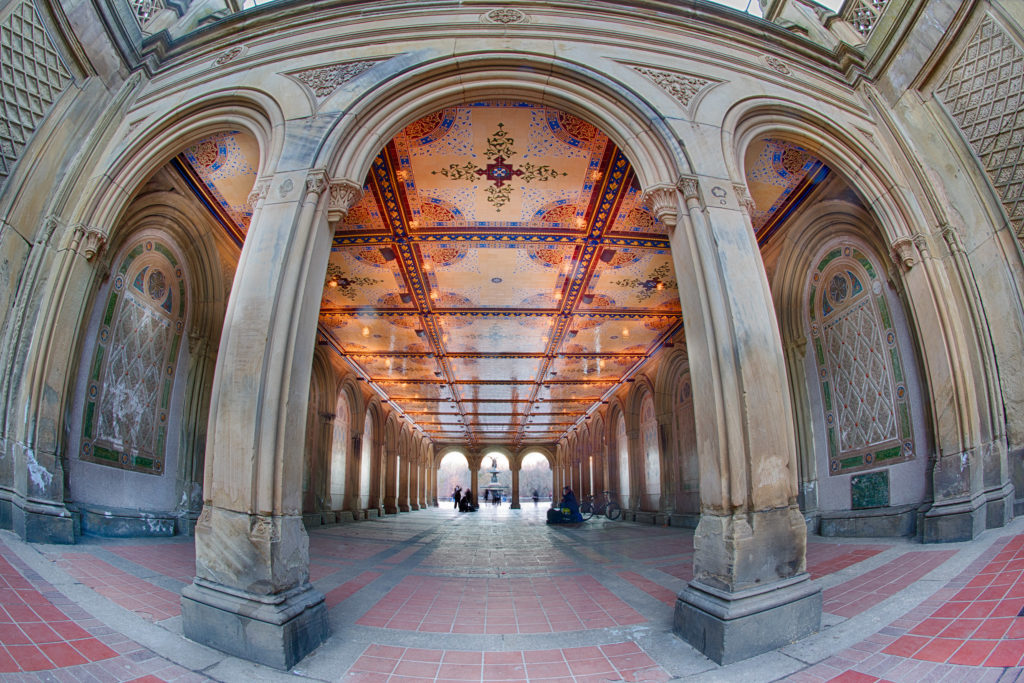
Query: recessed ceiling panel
[496, 368]
[496, 334]
[398, 368]
[376, 333]
[636, 279]
[501, 392]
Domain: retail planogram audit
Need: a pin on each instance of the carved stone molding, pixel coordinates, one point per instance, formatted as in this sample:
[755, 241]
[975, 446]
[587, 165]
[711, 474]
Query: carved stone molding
[683, 88]
[344, 195]
[904, 253]
[664, 203]
[923, 248]
[325, 80]
[506, 15]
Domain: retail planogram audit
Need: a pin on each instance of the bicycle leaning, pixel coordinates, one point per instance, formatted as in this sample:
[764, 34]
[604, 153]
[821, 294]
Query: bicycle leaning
[607, 507]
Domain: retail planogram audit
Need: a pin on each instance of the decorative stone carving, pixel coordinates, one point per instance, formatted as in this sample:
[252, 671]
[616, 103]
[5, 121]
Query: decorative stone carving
[259, 191]
[683, 88]
[777, 64]
[744, 198]
[863, 15]
[229, 55]
[664, 203]
[287, 186]
[146, 10]
[506, 16]
[205, 517]
[94, 242]
[323, 81]
[344, 195]
[690, 188]
[34, 77]
[317, 182]
[904, 253]
[953, 239]
[981, 91]
[263, 528]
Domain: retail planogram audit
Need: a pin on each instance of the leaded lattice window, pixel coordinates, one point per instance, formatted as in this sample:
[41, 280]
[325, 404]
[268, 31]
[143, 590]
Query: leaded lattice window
[983, 91]
[32, 77]
[132, 374]
[863, 385]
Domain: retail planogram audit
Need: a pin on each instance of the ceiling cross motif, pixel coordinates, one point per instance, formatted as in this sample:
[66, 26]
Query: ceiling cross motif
[500, 147]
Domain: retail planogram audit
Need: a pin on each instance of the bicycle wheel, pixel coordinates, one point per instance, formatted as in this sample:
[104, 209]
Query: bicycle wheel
[613, 512]
[587, 510]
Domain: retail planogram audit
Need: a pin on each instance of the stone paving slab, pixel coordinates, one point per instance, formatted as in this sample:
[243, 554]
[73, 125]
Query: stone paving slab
[500, 596]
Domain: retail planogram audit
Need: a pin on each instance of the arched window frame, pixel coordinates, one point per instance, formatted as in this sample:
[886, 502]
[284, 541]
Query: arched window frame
[827, 306]
[136, 268]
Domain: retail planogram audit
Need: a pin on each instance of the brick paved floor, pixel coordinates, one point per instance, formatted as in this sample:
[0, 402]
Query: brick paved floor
[437, 596]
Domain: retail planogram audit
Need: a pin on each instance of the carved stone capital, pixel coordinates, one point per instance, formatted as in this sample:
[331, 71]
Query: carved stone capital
[904, 253]
[663, 201]
[745, 200]
[953, 239]
[93, 243]
[690, 187]
[921, 242]
[344, 194]
[317, 182]
[259, 191]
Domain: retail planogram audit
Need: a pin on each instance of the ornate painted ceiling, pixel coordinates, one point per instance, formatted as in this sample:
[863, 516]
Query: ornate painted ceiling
[499, 276]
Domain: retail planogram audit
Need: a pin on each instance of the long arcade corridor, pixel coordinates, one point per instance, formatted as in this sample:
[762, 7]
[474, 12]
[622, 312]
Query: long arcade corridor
[498, 595]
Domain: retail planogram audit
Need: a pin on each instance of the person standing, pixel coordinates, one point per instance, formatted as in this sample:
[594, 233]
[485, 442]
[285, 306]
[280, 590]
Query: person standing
[457, 496]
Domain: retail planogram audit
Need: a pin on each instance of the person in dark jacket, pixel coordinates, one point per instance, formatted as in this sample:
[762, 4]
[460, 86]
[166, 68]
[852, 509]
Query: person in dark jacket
[568, 509]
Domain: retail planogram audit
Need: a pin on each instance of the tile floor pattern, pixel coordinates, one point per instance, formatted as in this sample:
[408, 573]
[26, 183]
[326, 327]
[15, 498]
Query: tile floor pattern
[499, 596]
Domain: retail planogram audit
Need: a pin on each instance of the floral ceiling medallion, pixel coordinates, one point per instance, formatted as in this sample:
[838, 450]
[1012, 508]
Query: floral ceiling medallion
[657, 280]
[500, 147]
[346, 286]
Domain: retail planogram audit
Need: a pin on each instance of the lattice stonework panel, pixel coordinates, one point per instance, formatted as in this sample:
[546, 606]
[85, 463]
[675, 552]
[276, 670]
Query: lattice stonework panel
[864, 392]
[984, 93]
[145, 11]
[864, 15]
[32, 77]
[132, 374]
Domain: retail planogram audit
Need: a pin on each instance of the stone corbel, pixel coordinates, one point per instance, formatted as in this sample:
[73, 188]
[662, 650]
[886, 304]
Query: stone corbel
[93, 243]
[904, 253]
[921, 242]
[664, 203]
[344, 195]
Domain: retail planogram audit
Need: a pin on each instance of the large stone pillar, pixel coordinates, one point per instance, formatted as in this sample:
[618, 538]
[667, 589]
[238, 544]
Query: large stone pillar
[750, 592]
[251, 596]
[515, 465]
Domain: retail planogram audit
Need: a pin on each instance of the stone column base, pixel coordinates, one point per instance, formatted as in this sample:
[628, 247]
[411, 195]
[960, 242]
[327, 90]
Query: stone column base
[42, 522]
[275, 630]
[951, 521]
[729, 627]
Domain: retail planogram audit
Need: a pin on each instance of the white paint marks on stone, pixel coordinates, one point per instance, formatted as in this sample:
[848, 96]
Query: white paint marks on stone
[40, 476]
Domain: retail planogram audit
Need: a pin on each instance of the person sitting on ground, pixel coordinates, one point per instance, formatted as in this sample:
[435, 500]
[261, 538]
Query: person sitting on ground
[568, 510]
[467, 504]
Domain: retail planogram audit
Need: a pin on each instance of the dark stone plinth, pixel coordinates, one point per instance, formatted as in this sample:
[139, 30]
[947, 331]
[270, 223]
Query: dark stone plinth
[729, 627]
[999, 505]
[684, 520]
[898, 520]
[41, 522]
[275, 630]
[951, 521]
[121, 523]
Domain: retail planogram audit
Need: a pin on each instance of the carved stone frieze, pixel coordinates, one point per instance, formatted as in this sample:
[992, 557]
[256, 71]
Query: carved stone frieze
[683, 88]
